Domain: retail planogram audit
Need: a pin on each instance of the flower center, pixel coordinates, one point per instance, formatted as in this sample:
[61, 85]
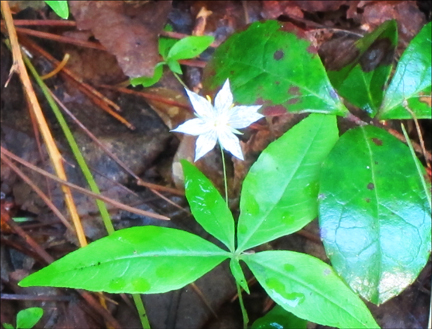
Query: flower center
[220, 123]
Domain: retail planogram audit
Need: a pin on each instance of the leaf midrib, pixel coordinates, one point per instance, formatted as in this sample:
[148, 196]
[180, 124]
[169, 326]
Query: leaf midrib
[265, 215]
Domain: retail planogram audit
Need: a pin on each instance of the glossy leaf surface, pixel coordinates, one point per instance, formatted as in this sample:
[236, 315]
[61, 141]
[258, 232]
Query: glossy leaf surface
[309, 288]
[189, 47]
[279, 318]
[362, 81]
[207, 205]
[375, 216]
[411, 81]
[279, 194]
[147, 259]
[272, 63]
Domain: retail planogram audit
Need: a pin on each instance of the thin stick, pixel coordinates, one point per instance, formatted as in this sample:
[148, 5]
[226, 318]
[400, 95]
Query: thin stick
[419, 132]
[114, 203]
[54, 153]
[69, 73]
[58, 68]
[112, 155]
[147, 95]
[60, 38]
[73, 145]
[40, 22]
[39, 192]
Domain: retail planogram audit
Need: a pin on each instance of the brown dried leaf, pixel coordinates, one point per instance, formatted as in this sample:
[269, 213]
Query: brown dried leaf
[274, 9]
[313, 6]
[410, 19]
[128, 31]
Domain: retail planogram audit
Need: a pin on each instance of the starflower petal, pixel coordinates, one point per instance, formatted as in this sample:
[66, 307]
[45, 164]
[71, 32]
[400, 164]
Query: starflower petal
[205, 143]
[224, 98]
[230, 142]
[242, 116]
[201, 105]
[193, 127]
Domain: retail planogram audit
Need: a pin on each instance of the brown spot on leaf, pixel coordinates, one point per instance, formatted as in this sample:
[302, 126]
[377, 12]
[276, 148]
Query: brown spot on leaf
[278, 55]
[338, 53]
[370, 186]
[367, 200]
[293, 101]
[381, 52]
[425, 99]
[294, 90]
[277, 82]
[377, 141]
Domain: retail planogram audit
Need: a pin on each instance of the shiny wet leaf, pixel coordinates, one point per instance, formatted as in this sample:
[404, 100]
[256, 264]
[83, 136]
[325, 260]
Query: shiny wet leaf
[375, 215]
[411, 81]
[147, 259]
[279, 194]
[207, 205]
[309, 288]
[274, 64]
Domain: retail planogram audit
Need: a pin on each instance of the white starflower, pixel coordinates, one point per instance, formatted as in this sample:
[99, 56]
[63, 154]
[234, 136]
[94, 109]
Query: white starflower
[218, 123]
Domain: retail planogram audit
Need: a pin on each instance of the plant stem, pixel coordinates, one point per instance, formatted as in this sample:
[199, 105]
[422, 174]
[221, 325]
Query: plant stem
[242, 307]
[224, 173]
[141, 311]
[180, 80]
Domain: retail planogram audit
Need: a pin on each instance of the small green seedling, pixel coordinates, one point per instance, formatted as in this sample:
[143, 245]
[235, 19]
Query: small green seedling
[60, 7]
[26, 319]
[172, 51]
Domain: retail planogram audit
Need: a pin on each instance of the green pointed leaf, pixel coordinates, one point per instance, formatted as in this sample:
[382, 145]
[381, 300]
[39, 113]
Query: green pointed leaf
[238, 274]
[309, 288]
[272, 63]
[8, 326]
[60, 7]
[375, 216]
[207, 205]
[27, 318]
[146, 81]
[174, 66]
[279, 194]
[279, 318]
[411, 81]
[362, 81]
[147, 259]
[189, 47]
[165, 44]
